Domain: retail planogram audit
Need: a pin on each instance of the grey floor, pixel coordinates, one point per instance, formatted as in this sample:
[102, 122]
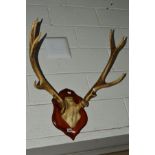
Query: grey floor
[119, 153]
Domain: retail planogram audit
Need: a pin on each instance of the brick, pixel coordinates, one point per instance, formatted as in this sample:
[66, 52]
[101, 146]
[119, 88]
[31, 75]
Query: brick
[119, 4]
[38, 122]
[108, 18]
[36, 96]
[68, 32]
[112, 4]
[75, 82]
[84, 60]
[72, 16]
[88, 3]
[106, 114]
[27, 93]
[46, 2]
[93, 37]
[122, 61]
[126, 100]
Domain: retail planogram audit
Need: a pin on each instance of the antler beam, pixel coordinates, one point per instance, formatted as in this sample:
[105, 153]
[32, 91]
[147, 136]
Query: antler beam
[34, 47]
[101, 82]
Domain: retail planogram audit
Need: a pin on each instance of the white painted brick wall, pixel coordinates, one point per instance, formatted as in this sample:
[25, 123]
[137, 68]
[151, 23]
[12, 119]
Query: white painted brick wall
[88, 3]
[34, 11]
[83, 61]
[92, 37]
[73, 16]
[122, 61]
[107, 17]
[116, 4]
[86, 25]
[126, 101]
[46, 2]
[111, 113]
[76, 82]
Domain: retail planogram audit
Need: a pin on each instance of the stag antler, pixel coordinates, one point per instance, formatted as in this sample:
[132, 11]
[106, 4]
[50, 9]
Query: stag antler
[71, 116]
[101, 82]
[34, 47]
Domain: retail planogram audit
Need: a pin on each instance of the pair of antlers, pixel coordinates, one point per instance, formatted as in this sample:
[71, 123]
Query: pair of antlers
[34, 47]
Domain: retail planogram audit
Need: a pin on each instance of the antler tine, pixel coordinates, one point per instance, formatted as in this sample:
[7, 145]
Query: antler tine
[34, 47]
[101, 82]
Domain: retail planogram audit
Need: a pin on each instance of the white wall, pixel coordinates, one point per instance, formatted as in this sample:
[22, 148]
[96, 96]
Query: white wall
[86, 24]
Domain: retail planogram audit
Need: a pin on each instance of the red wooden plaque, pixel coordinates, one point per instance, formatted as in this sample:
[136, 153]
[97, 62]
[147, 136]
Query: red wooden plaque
[60, 123]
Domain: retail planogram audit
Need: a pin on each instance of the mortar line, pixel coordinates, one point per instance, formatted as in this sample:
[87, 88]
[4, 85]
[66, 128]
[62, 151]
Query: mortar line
[72, 73]
[93, 100]
[94, 7]
[124, 102]
[97, 16]
[93, 26]
[78, 6]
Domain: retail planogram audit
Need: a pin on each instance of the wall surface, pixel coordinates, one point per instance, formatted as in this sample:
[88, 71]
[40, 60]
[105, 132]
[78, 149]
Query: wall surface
[86, 25]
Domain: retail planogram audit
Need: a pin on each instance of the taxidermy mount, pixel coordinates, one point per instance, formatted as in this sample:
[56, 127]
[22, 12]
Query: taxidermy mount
[69, 114]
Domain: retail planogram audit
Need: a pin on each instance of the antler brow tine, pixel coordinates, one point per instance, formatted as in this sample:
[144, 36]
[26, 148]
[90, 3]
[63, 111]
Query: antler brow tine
[34, 47]
[101, 82]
